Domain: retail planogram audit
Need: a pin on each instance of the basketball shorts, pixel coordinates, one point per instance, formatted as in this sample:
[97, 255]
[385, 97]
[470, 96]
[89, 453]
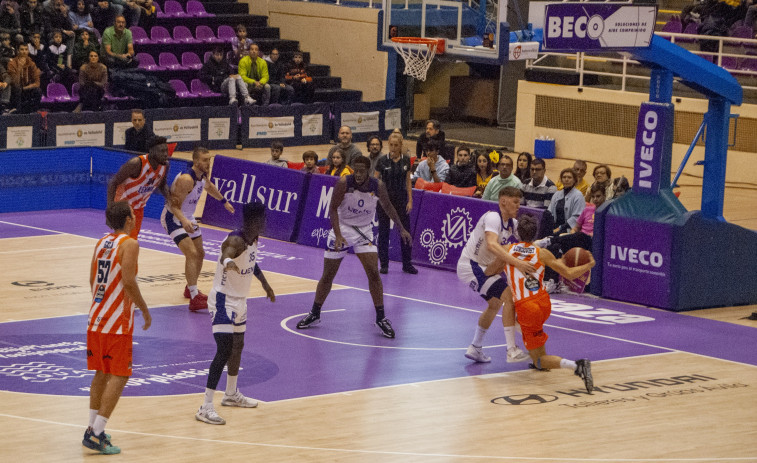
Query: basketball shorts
[139, 214]
[360, 239]
[228, 313]
[532, 313]
[472, 274]
[109, 353]
[172, 225]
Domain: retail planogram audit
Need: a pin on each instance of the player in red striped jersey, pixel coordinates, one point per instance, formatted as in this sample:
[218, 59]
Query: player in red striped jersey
[532, 303]
[139, 177]
[113, 279]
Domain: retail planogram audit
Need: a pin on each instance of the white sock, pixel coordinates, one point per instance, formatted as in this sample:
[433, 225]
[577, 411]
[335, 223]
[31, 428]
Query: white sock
[92, 416]
[193, 291]
[231, 384]
[478, 338]
[99, 425]
[565, 363]
[209, 396]
[510, 336]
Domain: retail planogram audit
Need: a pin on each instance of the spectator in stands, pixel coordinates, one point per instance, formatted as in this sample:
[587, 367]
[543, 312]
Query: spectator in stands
[337, 167]
[434, 168]
[37, 53]
[80, 18]
[104, 15]
[462, 173]
[10, 22]
[523, 167]
[139, 134]
[93, 77]
[118, 47]
[84, 44]
[24, 74]
[619, 186]
[277, 148]
[254, 72]
[717, 18]
[484, 173]
[297, 76]
[433, 132]
[217, 74]
[394, 170]
[567, 204]
[310, 158]
[57, 60]
[30, 16]
[281, 92]
[147, 16]
[5, 90]
[374, 145]
[7, 51]
[130, 10]
[350, 151]
[603, 176]
[750, 19]
[505, 178]
[579, 167]
[240, 44]
[56, 18]
[539, 189]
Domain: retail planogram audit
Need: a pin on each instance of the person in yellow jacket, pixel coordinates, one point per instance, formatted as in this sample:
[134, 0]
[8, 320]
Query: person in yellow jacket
[254, 72]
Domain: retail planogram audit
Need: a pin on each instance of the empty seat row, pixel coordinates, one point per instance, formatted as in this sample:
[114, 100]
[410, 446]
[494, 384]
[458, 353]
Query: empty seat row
[173, 9]
[58, 93]
[181, 34]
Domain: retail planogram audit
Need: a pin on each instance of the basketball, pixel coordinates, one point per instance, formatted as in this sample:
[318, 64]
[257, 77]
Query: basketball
[576, 256]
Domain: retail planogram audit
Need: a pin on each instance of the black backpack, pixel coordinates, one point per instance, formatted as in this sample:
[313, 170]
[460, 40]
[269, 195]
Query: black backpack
[138, 84]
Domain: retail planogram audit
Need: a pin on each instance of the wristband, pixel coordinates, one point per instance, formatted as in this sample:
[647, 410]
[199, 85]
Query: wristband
[226, 261]
[224, 201]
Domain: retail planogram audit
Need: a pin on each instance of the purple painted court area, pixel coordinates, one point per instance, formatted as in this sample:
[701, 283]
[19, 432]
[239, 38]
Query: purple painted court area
[433, 313]
[13, 230]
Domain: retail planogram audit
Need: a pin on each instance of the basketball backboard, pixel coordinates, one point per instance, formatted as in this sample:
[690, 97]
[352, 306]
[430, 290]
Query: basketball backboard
[474, 30]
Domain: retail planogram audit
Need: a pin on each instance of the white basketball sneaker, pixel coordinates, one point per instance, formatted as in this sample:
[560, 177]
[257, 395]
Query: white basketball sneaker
[238, 400]
[515, 355]
[477, 354]
[208, 414]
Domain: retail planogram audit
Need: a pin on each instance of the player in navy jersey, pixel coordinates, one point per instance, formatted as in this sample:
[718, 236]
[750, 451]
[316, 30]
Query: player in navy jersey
[353, 206]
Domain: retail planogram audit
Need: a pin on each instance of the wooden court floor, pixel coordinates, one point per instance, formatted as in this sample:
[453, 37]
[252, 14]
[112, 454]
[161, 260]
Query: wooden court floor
[701, 409]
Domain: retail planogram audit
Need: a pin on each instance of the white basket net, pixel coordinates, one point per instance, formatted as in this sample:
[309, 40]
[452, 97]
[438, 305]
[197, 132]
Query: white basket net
[417, 59]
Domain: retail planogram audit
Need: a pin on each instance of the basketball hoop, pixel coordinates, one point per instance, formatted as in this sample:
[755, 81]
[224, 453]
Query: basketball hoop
[417, 59]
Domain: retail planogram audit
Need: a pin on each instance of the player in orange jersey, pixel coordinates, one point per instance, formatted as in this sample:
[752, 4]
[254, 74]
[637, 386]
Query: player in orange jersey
[113, 279]
[139, 177]
[532, 303]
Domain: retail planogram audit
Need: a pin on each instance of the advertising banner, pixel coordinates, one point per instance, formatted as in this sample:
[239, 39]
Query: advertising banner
[240, 182]
[178, 130]
[80, 135]
[218, 128]
[361, 122]
[589, 26]
[637, 261]
[119, 132]
[312, 125]
[520, 51]
[652, 157]
[19, 137]
[392, 119]
[272, 127]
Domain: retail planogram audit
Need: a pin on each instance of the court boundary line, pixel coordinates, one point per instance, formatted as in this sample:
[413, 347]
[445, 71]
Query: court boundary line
[380, 452]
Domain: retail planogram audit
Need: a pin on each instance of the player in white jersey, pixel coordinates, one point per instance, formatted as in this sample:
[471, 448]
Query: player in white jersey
[181, 225]
[228, 309]
[484, 246]
[532, 303]
[113, 279]
[353, 206]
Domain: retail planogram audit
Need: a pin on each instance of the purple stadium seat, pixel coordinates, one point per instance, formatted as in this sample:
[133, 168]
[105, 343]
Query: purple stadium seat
[749, 64]
[169, 61]
[182, 34]
[158, 10]
[673, 25]
[729, 62]
[147, 62]
[207, 56]
[190, 60]
[159, 34]
[195, 8]
[139, 35]
[173, 9]
[75, 91]
[200, 88]
[743, 32]
[181, 89]
[226, 33]
[56, 93]
[691, 28]
[205, 34]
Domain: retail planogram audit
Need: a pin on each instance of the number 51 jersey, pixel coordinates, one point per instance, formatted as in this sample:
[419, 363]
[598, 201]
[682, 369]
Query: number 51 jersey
[112, 311]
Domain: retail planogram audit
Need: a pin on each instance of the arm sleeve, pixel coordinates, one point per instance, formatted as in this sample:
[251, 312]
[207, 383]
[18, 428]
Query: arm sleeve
[263, 68]
[244, 70]
[577, 206]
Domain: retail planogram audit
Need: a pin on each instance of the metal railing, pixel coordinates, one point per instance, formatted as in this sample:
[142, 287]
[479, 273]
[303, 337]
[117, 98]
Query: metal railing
[626, 63]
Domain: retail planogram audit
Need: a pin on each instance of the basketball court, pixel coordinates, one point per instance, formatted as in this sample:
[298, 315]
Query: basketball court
[669, 386]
